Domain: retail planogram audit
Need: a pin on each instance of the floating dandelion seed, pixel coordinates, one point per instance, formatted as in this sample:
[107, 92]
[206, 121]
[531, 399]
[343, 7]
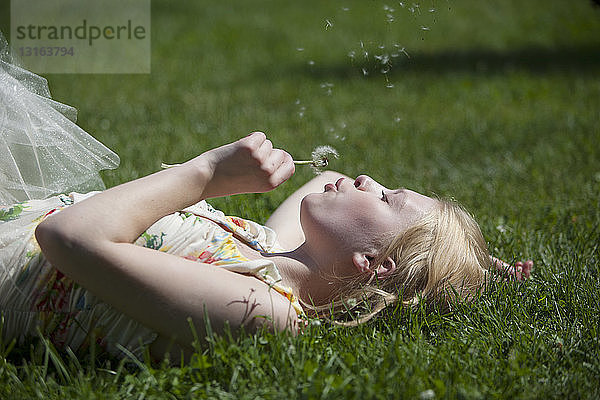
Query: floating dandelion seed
[320, 158]
[402, 50]
[327, 86]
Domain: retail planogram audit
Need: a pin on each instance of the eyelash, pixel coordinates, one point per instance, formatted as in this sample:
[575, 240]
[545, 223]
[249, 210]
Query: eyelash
[384, 197]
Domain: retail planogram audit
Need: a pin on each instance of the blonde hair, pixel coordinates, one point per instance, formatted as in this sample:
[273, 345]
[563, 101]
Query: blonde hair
[441, 258]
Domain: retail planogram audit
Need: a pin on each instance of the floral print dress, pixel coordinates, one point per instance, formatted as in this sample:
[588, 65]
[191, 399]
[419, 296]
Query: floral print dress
[35, 297]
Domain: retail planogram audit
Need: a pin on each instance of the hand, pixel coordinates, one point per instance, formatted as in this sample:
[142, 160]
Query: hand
[520, 271]
[248, 165]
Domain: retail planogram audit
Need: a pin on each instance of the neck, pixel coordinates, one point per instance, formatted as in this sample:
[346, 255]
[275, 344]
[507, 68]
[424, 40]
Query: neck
[302, 272]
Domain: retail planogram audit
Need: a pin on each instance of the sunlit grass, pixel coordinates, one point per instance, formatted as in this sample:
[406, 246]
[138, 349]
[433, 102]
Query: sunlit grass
[494, 105]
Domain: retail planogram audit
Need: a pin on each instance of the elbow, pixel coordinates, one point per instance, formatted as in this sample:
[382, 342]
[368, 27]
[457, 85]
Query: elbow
[48, 237]
[45, 234]
[283, 318]
[54, 241]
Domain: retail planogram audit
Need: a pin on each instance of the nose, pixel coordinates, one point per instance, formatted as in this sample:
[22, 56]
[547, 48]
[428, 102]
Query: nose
[367, 184]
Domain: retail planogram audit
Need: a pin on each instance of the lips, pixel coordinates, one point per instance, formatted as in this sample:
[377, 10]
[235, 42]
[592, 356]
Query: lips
[334, 186]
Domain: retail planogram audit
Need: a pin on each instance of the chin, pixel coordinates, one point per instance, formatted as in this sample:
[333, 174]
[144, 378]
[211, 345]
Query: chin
[310, 213]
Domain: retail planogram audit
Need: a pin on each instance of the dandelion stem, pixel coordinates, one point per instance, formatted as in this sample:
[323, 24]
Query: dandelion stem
[304, 162]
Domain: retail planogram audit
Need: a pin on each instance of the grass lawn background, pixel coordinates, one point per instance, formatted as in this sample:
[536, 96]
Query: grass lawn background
[496, 105]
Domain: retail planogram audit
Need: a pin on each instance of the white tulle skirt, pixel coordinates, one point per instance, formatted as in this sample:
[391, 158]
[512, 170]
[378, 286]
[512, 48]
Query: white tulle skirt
[42, 151]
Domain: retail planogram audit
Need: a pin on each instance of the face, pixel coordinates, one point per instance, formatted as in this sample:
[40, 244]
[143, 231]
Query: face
[356, 214]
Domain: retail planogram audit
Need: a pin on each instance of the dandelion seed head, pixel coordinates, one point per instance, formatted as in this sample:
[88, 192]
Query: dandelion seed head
[322, 154]
[320, 158]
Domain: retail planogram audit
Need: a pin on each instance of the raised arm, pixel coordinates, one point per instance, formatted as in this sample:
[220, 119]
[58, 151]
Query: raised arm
[91, 242]
[285, 220]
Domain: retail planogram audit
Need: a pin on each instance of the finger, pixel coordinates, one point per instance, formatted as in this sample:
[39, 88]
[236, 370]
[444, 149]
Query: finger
[272, 163]
[285, 167]
[527, 268]
[263, 153]
[499, 264]
[255, 139]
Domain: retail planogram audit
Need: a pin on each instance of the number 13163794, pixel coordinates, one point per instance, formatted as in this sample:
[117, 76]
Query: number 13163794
[46, 51]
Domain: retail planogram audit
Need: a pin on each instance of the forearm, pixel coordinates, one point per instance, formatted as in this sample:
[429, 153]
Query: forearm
[122, 213]
[91, 243]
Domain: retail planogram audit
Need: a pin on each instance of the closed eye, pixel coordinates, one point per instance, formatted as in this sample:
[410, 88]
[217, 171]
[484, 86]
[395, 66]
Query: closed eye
[384, 197]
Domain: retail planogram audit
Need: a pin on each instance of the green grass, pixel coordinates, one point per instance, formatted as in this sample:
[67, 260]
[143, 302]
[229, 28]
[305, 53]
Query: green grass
[497, 106]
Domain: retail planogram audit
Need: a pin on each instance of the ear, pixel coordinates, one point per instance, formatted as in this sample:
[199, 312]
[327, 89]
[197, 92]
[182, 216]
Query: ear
[386, 268]
[362, 262]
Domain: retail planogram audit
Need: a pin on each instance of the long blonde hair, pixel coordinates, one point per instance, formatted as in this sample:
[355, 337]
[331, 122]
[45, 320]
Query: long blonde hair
[442, 257]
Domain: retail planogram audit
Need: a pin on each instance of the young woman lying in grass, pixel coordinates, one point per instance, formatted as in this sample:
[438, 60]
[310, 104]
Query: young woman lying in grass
[151, 254]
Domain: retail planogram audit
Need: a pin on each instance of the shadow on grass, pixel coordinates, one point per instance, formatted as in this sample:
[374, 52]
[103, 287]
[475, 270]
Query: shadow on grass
[583, 60]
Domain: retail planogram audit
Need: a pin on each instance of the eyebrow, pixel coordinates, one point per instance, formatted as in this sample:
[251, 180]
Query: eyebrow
[403, 200]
